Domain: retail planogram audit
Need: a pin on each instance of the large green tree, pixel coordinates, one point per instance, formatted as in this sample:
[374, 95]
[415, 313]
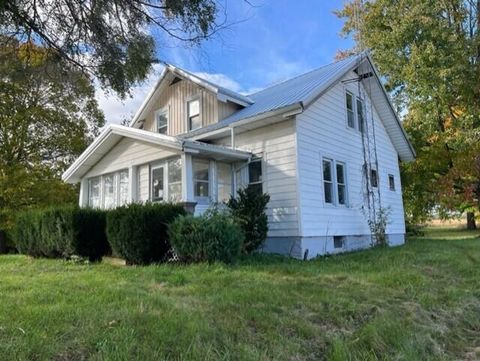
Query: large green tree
[110, 39]
[48, 115]
[429, 53]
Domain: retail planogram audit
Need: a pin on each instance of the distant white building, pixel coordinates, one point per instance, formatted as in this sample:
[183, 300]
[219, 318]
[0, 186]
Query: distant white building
[325, 145]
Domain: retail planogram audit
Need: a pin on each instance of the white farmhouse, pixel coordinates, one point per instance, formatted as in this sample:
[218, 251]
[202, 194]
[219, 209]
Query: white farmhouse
[325, 145]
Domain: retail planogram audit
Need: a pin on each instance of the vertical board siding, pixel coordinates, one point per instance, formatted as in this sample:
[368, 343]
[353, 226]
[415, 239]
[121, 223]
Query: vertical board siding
[322, 132]
[277, 145]
[174, 98]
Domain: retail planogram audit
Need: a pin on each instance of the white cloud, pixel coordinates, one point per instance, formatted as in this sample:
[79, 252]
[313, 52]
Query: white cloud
[115, 109]
[221, 80]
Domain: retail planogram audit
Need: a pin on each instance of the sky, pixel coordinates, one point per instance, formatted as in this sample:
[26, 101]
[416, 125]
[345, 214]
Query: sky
[266, 42]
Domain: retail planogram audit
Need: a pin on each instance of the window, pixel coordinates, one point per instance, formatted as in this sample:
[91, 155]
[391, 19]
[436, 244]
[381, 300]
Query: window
[193, 111]
[161, 117]
[123, 187]
[157, 184]
[175, 180]
[350, 112]
[224, 181]
[341, 184]
[94, 196]
[360, 118]
[328, 181]
[338, 241]
[374, 178]
[109, 191]
[391, 182]
[255, 175]
[201, 178]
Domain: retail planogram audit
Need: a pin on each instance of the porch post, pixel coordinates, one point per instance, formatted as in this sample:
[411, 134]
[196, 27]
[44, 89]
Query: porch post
[132, 184]
[188, 197]
[83, 198]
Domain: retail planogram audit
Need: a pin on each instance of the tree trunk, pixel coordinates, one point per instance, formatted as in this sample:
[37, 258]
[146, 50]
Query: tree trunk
[471, 225]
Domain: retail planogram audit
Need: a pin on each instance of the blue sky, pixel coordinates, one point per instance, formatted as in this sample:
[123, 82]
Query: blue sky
[269, 42]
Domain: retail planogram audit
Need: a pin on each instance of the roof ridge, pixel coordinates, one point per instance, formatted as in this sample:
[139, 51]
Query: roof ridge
[302, 74]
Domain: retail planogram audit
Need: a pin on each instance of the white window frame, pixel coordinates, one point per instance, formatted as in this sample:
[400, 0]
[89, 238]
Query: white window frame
[333, 164]
[376, 176]
[349, 93]
[223, 183]
[116, 185]
[360, 125]
[256, 159]
[167, 181]
[209, 181]
[90, 191]
[165, 112]
[150, 181]
[190, 100]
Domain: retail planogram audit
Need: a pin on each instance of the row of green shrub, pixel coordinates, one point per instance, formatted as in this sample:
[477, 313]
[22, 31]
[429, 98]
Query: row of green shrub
[62, 232]
[144, 234]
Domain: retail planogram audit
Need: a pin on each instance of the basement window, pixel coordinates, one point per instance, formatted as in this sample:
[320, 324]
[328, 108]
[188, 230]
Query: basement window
[338, 241]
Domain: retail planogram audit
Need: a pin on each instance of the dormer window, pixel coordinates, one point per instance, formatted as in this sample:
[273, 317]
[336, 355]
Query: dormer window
[193, 114]
[161, 118]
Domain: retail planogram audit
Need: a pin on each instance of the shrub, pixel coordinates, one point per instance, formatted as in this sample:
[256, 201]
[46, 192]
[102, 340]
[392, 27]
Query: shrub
[248, 208]
[62, 232]
[138, 233]
[209, 238]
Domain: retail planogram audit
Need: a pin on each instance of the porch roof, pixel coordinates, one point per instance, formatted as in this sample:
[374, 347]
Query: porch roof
[113, 133]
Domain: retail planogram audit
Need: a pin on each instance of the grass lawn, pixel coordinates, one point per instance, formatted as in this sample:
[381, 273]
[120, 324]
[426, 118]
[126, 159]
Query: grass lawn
[417, 302]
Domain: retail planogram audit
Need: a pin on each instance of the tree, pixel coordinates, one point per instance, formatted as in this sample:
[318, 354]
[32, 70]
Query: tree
[48, 115]
[108, 38]
[429, 53]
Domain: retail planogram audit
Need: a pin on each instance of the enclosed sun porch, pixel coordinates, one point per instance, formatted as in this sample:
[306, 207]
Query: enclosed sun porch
[126, 165]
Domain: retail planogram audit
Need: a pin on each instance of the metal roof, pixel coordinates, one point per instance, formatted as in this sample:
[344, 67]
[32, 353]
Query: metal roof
[300, 90]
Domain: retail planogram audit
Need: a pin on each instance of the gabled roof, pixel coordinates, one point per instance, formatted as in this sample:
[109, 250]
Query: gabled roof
[170, 71]
[301, 91]
[113, 133]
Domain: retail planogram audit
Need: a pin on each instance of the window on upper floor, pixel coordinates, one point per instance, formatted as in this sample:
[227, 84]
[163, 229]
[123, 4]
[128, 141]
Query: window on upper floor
[350, 110]
[161, 118]
[194, 120]
[360, 117]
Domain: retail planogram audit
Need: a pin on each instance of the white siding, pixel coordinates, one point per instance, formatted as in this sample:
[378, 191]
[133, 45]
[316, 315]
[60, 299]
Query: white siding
[322, 132]
[278, 146]
[126, 153]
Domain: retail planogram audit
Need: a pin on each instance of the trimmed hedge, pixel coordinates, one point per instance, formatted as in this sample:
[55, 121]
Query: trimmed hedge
[208, 238]
[62, 232]
[138, 233]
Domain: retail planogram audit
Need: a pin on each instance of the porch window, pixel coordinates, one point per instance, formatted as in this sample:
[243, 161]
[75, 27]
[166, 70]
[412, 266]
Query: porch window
[255, 175]
[201, 178]
[157, 184]
[109, 191]
[224, 176]
[341, 184]
[94, 196]
[175, 180]
[123, 187]
[161, 117]
[193, 111]
[328, 181]
[350, 112]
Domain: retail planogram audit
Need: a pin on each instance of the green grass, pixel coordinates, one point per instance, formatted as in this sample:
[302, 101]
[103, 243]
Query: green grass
[417, 302]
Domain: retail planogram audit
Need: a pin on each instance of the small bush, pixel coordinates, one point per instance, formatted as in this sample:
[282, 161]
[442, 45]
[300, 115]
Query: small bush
[62, 232]
[248, 208]
[209, 238]
[138, 233]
